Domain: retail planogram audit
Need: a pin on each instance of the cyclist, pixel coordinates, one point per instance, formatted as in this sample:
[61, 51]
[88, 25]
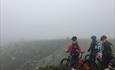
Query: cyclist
[107, 51]
[94, 48]
[74, 51]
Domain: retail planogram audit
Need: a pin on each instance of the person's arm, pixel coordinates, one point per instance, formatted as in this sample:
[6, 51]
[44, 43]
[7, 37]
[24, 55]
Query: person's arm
[110, 48]
[90, 47]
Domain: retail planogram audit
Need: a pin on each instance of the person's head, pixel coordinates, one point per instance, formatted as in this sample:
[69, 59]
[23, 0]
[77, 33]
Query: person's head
[93, 37]
[103, 38]
[74, 39]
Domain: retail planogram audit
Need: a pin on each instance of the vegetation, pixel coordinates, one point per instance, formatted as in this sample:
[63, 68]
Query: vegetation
[53, 67]
[27, 55]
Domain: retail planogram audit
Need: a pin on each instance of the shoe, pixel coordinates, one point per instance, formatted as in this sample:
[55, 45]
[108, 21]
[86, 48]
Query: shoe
[107, 69]
[73, 69]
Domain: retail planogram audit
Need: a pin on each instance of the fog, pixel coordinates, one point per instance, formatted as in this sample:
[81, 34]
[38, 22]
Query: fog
[56, 19]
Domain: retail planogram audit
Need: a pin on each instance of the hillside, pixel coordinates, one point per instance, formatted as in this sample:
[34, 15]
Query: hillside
[31, 55]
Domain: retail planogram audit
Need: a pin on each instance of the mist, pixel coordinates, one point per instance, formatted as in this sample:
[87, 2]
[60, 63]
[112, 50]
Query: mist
[35, 33]
[50, 19]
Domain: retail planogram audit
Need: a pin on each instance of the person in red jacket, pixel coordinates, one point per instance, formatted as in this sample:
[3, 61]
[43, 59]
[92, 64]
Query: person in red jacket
[74, 51]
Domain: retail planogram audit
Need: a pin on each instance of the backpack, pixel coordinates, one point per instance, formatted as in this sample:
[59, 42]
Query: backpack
[74, 51]
[98, 46]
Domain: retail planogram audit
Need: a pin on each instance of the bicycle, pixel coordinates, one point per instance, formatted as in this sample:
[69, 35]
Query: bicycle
[98, 60]
[111, 65]
[83, 64]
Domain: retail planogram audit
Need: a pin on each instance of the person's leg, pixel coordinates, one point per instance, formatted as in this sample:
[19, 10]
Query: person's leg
[106, 62]
[92, 57]
[103, 61]
[73, 63]
[76, 64]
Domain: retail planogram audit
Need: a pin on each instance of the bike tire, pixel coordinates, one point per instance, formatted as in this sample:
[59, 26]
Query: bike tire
[65, 62]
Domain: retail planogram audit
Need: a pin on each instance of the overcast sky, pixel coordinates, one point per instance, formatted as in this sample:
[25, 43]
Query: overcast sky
[50, 19]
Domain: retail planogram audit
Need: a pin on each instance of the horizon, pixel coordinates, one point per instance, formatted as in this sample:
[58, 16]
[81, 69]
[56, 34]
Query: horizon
[43, 40]
[49, 19]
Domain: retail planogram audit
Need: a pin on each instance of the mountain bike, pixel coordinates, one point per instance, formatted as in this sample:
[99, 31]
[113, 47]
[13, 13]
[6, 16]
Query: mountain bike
[83, 64]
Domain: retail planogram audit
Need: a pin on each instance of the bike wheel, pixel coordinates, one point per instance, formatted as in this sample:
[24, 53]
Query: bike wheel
[65, 62]
[90, 65]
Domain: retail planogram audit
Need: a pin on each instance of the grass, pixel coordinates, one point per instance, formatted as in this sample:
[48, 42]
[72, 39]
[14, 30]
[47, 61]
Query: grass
[30, 50]
[53, 67]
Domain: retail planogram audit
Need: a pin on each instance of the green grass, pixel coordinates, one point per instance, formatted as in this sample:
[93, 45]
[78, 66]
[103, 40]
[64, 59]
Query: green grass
[53, 67]
[24, 51]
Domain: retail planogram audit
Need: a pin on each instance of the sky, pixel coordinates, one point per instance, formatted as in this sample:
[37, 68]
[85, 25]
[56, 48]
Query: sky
[55, 19]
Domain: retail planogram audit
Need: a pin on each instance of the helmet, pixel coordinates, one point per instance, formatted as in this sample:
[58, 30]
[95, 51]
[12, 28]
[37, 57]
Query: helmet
[74, 38]
[103, 37]
[93, 37]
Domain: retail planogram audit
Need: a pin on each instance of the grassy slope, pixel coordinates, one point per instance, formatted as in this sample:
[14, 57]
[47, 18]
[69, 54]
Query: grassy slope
[40, 51]
[53, 67]
[84, 44]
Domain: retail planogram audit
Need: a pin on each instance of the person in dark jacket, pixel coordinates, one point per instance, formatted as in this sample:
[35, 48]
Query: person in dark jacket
[93, 49]
[107, 51]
